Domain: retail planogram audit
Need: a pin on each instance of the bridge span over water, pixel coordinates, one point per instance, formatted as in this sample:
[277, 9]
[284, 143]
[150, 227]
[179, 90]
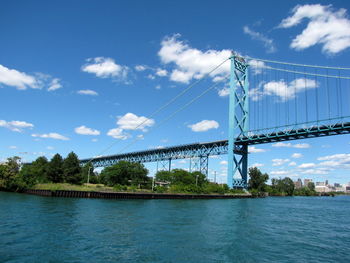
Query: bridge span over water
[269, 101]
[199, 153]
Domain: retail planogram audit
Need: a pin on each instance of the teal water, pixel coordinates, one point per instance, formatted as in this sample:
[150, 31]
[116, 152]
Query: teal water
[289, 229]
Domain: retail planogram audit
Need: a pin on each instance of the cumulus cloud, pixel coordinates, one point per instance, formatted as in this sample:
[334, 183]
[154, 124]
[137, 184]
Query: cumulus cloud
[104, 67]
[17, 79]
[286, 91]
[292, 164]
[297, 155]
[16, 126]
[54, 85]
[253, 149]
[268, 42]
[326, 26]
[140, 68]
[83, 130]
[161, 72]
[279, 172]
[87, 92]
[191, 62]
[51, 135]
[307, 165]
[204, 125]
[118, 133]
[224, 92]
[336, 161]
[289, 145]
[223, 162]
[131, 121]
[279, 162]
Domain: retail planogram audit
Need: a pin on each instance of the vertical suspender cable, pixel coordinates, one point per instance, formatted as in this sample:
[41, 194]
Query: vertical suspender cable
[329, 106]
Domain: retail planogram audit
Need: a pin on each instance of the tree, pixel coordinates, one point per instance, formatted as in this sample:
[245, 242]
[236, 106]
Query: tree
[125, 173]
[55, 169]
[283, 186]
[257, 179]
[9, 175]
[36, 172]
[311, 186]
[71, 169]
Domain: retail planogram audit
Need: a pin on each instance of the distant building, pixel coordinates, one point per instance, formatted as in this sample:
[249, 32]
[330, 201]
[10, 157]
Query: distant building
[321, 184]
[307, 181]
[298, 184]
[326, 182]
[347, 189]
[337, 185]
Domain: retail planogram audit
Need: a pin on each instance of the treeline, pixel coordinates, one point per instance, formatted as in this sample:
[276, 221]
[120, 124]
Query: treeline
[279, 187]
[14, 177]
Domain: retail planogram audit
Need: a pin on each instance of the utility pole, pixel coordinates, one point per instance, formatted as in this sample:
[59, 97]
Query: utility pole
[214, 176]
[88, 180]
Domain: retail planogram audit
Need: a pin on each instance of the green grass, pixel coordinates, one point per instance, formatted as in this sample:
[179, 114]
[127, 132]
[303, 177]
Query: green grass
[65, 186]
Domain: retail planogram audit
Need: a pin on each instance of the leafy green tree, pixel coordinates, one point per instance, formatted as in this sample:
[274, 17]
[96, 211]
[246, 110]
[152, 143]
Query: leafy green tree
[311, 186]
[257, 179]
[9, 175]
[55, 169]
[71, 169]
[36, 172]
[125, 173]
[164, 176]
[283, 186]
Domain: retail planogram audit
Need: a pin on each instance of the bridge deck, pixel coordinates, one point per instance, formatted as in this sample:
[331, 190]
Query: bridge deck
[199, 150]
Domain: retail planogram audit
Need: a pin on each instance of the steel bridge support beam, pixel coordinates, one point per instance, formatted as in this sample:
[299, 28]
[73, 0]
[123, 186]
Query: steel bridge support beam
[165, 165]
[203, 162]
[237, 173]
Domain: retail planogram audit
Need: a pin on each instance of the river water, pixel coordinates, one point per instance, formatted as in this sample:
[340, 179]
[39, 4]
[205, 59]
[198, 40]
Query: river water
[284, 229]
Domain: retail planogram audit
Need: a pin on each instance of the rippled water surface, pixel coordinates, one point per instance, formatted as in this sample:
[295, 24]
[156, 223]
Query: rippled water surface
[289, 229]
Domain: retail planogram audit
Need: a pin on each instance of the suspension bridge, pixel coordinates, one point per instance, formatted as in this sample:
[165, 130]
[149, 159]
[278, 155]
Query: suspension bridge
[269, 101]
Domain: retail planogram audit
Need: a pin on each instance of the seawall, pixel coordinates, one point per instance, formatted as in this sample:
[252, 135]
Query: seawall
[122, 195]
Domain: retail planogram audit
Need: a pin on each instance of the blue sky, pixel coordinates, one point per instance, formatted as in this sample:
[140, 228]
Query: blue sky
[78, 75]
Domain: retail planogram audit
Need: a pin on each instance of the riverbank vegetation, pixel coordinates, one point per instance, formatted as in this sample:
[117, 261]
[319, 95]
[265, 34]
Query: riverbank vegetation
[66, 174]
[279, 187]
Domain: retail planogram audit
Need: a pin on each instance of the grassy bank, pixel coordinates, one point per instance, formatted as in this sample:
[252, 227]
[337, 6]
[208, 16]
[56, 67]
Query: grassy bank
[134, 189]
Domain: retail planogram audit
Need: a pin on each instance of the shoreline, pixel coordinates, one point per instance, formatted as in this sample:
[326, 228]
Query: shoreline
[129, 195]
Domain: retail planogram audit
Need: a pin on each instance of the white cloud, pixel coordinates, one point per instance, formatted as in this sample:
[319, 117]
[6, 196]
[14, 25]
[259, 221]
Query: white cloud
[161, 72]
[17, 79]
[51, 135]
[307, 165]
[83, 130]
[326, 26]
[140, 68]
[253, 149]
[16, 126]
[286, 91]
[54, 85]
[292, 164]
[315, 171]
[131, 121]
[118, 133]
[150, 76]
[297, 155]
[204, 125]
[223, 162]
[12, 147]
[105, 68]
[268, 43]
[289, 145]
[87, 92]
[49, 148]
[279, 172]
[336, 161]
[190, 62]
[282, 144]
[257, 165]
[224, 92]
[279, 162]
[302, 145]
